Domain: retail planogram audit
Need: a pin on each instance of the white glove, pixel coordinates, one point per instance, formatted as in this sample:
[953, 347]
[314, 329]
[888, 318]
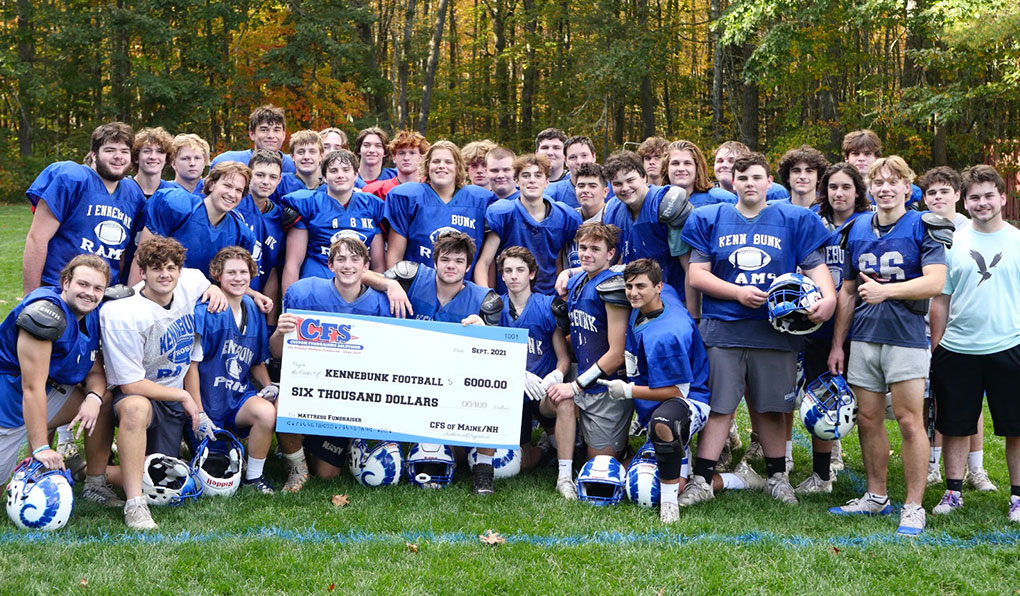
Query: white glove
[269, 393]
[618, 389]
[533, 386]
[206, 428]
[553, 378]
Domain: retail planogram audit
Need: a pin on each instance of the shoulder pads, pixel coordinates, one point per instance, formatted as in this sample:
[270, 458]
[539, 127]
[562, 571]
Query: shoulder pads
[43, 319]
[844, 234]
[290, 217]
[675, 207]
[404, 272]
[491, 309]
[118, 291]
[939, 229]
[559, 310]
[613, 291]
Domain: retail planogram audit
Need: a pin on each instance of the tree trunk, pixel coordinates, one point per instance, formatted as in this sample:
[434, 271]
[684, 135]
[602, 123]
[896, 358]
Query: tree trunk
[530, 72]
[718, 56]
[454, 68]
[749, 113]
[647, 97]
[430, 69]
[26, 55]
[405, 49]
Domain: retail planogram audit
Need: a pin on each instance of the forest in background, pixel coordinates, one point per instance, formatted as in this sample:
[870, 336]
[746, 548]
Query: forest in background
[939, 80]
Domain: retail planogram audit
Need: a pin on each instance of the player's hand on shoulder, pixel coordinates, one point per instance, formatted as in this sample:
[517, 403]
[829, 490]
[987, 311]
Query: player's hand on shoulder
[561, 283]
[216, 299]
[751, 296]
[265, 303]
[400, 305]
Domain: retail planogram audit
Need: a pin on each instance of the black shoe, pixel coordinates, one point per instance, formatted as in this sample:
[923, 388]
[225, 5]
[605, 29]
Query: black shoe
[482, 477]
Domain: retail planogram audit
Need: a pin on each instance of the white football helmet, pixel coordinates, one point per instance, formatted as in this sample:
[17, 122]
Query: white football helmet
[643, 483]
[169, 481]
[375, 463]
[431, 465]
[506, 463]
[829, 407]
[218, 464]
[601, 481]
[789, 298]
[39, 499]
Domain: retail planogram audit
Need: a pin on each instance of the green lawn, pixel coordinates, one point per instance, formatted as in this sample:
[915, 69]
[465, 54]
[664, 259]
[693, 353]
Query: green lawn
[741, 543]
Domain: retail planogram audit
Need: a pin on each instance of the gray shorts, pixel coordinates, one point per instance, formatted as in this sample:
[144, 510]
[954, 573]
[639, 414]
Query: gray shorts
[11, 439]
[766, 377]
[605, 422]
[873, 367]
[166, 428]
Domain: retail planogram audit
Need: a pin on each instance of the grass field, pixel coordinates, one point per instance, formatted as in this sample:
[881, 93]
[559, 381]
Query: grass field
[405, 540]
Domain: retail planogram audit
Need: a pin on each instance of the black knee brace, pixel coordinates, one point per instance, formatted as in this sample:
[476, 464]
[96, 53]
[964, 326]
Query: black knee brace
[668, 454]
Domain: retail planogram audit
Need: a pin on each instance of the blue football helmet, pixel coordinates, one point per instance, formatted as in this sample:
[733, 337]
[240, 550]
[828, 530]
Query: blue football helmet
[829, 407]
[601, 481]
[169, 481]
[39, 499]
[506, 463]
[788, 300]
[430, 465]
[375, 463]
[218, 463]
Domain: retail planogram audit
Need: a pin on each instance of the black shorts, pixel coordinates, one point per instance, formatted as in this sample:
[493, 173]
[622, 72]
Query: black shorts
[166, 427]
[528, 413]
[816, 356]
[958, 383]
[331, 450]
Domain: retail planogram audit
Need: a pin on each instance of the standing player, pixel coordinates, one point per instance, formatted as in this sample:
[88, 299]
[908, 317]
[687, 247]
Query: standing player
[500, 164]
[861, 148]
[579, 150]
[551, 142]
[977, 335]
[333, 139]
[542, 226]
[370, 147]
[189, 158]
[686, 167]
[653, 154]
[307, 152]
[895, 262]
[725, 156]
[800, 170]
[406, 149]
[738, 251]
[149, 154]
[418, 213]
[267, 219]
[82, 209]
[267, 128]
[591, 190]
[474, 158]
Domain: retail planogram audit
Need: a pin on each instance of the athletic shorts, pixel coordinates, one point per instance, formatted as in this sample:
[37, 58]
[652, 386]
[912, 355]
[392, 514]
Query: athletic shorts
[816, 357]
[767, 377]
[166, 427]
[605, 423]
[11, 439]
[873, 367]
[328, 449]
[960, 381]
[529, 413]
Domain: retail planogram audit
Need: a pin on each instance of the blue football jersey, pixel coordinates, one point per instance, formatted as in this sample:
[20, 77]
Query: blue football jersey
[91, 219]
[776, 192]
[177, 214]
[269, 235]
[751, 252]
[245, 156]
[319, 294]
[326, 220]
[563, 191]
[417, 213]
[645, 236]
[422, 295]
[385, 174]
[712, 196]
[513, 224]
[834, 259]
[588, 323]
[537, 317]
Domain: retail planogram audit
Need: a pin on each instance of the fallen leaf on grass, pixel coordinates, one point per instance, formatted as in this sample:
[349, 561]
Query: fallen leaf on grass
[835, 550]
[341, 500]
[492, 538]
[331, 587]
[84, 583]
[662, 591]
[412, 547]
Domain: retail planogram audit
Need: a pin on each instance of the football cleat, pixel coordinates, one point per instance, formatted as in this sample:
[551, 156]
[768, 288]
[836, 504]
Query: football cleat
[912, 520]
[788, 300]
[979, 481]
[814, 485]
[779, 488]
[38, 498]
[866, 505]
[751, 479]
[481, 476]
[829, 407]
[566, 487]
[601, 481]
[696, 490]
[669, 513]
[138, 517]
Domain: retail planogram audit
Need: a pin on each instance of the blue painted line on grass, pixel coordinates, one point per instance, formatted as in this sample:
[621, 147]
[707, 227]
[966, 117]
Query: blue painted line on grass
[313, 536]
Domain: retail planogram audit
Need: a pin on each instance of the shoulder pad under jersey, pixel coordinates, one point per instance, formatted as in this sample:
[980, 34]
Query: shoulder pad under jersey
[118, 291]
[613, 290]
[492, 307]
[939, 229]
[404, 272]
[43, 319]
[844, 234]
[675, 207]
[559, 309]
[290, 217]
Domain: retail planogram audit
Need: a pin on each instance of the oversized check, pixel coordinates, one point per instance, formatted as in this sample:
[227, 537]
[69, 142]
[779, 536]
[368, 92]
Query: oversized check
[402, 380]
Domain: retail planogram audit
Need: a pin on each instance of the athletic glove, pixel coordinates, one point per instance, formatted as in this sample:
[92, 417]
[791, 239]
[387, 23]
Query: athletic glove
[269, 393]
[617, 389]
[533, 386]
[206, 428]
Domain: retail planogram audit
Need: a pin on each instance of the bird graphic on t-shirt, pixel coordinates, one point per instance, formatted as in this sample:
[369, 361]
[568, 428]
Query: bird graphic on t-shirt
[982, 269]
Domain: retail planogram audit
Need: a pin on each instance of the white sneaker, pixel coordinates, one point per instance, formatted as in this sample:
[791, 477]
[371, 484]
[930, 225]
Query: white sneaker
[814, 485]
[565, 486]
[779, 488]
[1014, 509]
[979, 481]
[751, 478]
[669, 512]
[951, 501]
[697, 490]
[934, 475]
[912, 520]
[753, 449]
[297, 475]
[866, 505]
[137, 517]
[836, 459]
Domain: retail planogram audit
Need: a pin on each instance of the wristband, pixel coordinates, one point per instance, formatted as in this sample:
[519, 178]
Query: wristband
[39, 450]
[95, 395]
[588, 377]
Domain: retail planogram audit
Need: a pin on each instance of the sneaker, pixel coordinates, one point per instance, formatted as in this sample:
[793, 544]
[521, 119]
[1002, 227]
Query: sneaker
[636, 430]
[865, 505]
[979, 481]
[725, 459]
[789, 465]
[1014, 509]
[137, 517]
[754, 451]
[779, 488]
[751, 478]
[696, 490]
[814, 485]
[297, 475]
[669, 512]
[836, 459]
[565, 486]
[951, 501]
[102, 494]
[734, 439]
[73, 460]
[260, 485]
[482, 478]
[911, 520]
[934, 475]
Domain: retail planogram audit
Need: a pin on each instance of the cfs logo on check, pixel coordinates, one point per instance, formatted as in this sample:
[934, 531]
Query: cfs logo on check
[313, 332]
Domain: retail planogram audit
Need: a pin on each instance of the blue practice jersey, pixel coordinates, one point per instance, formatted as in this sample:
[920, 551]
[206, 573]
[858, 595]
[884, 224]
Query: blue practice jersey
[537, 317]
[319, 294]
[895, 256]
[776, 192]
[422, 295]
[513, 224]
[666, 350]
[589, 323]
[175, 213]
[563, 191]
[712, 196]
[91, 219]
[228, 354]
[72, 354]
[384, 174]
[645, 236]
[244, 157]
[751, 252]
[834, 259]
[416, 212]
[269, 235]
[916, 194]
[326, 220]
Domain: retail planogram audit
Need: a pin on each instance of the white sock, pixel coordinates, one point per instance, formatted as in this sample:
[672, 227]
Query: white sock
[934, 457]
[565, 467]
[667, 492]
[254, 468]
[481, 458]
[732, 482]
[295, 458]
[135, 501]
[64, 435]
[976, 460]
[876, 498]
[789, 450]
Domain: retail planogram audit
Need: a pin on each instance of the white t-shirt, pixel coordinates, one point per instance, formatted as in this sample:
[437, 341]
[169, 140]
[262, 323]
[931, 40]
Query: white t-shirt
[143, 340]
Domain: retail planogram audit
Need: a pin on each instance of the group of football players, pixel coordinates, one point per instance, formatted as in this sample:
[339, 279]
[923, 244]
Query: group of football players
[655, 300]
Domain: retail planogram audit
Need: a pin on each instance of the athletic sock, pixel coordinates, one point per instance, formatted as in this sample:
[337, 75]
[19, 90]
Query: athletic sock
[976, 460]
[934, 456]
[254, 468]
[481, 458]
[565, 467]
[877, 498]
[667, 492]
[135, 501]
[732, 482]
[789, 450]
[954, 484]
[704, 468]
[1014, 490]
[775, 465]
[820, 462]
[295, 458]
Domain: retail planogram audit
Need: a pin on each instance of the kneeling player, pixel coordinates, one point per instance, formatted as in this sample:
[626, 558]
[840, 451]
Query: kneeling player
[233, 346]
